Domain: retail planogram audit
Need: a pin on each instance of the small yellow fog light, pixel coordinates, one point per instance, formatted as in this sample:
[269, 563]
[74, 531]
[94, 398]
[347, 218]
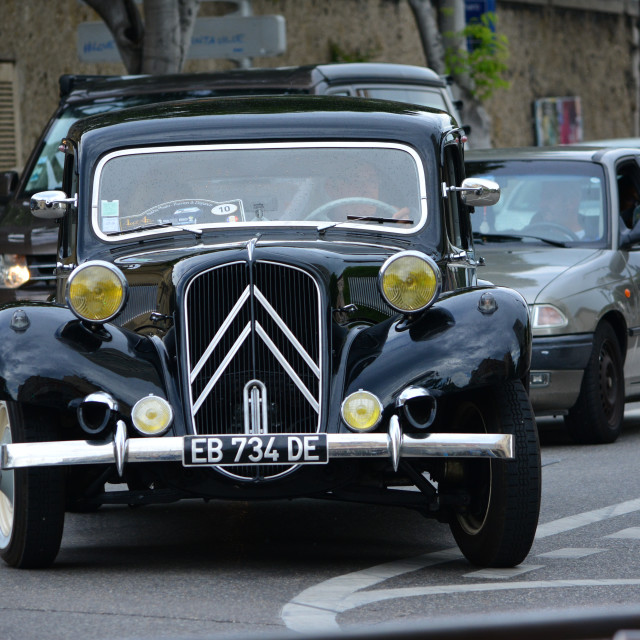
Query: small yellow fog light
[151, 415]
[361, 411]
[410, 281]
[96, 291]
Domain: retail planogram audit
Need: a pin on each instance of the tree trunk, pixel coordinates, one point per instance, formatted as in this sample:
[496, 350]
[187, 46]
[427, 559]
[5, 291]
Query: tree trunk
[160, 45]
[432, 22]
[124, 22]
[426, 20]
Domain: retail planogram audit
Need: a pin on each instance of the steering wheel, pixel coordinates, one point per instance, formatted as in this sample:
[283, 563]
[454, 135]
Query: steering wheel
[539, 228]
[332, 204]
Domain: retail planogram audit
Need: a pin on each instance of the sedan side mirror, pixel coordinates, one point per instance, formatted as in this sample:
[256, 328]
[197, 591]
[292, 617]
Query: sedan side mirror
[51, 205]
[480, 192]
[8, 183]
[476, 192]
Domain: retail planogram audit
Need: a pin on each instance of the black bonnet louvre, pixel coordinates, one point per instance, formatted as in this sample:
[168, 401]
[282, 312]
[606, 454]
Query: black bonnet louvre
[258, 321]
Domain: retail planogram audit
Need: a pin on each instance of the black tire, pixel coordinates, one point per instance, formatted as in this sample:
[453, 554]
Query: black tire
[32, 499]
[596, 417]
[498, 527]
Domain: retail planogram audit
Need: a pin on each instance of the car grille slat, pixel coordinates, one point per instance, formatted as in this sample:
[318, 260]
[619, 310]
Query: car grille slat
[258, 321]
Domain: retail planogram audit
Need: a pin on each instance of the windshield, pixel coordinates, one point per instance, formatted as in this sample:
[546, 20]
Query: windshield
[139, 191]
[555, 201]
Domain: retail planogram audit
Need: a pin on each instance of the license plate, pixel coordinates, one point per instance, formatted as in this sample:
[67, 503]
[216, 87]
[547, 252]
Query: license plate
[228, 450]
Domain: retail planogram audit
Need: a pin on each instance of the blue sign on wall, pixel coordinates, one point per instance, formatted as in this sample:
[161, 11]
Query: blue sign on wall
[475, 8]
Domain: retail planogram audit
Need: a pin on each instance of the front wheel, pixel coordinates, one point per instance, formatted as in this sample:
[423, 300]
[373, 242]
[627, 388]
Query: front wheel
[32, 499]
[497, 527]
[596, 417]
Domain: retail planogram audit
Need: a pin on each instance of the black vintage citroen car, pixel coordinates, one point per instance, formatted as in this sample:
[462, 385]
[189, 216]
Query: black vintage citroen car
[263, 298]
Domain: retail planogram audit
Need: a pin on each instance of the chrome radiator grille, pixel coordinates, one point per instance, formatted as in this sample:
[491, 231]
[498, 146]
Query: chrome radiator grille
[253, 326]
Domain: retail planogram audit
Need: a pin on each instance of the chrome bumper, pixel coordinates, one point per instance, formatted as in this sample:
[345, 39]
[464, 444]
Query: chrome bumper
[121, 450]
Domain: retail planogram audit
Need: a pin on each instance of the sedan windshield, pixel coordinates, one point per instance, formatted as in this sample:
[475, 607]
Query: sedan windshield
[557, 202]
[144, 191]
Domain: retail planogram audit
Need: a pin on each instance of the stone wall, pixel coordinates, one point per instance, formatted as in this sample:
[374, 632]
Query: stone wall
[555, 51]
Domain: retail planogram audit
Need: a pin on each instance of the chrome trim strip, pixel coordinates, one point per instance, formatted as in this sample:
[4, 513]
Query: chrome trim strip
[287, 367]
[170, 449]
[220, 333]
[287, 332]
[220, 370]
[421, 173]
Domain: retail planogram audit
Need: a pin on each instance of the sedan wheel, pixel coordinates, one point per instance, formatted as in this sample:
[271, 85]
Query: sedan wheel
[32, 499]
[596, 418]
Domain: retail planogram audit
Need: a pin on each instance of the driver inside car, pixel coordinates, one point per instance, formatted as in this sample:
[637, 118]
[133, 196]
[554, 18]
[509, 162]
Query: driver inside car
[360, 181]
[559, 208]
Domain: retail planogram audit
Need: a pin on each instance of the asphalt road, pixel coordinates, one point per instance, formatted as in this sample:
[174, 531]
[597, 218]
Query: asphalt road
[287, 568]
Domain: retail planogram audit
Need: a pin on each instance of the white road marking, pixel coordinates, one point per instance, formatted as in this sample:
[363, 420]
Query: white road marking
[362, 598]
[588, 517]
[632, 533]
[509, 572]
[570, 552]
[317, 607]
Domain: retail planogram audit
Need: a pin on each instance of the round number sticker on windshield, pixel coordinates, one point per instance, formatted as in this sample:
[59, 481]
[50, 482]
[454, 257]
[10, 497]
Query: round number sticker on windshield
[230, 211]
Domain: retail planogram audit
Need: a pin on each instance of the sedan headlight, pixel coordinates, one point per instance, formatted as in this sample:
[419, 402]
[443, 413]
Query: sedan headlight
[410, 281]
[14, 271]
[546, 316]
[96, 291]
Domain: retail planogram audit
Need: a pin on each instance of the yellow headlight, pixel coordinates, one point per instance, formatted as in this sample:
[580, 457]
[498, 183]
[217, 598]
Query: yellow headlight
[151, 415]
[96, 291]
[361, 411]
[410, 281]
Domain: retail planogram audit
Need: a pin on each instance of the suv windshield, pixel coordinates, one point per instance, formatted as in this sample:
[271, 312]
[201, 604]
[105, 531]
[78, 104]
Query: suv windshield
[139, 191]
[557, 201]
[46, 174]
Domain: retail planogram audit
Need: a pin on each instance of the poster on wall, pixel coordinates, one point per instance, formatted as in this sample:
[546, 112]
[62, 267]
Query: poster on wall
[558, 120]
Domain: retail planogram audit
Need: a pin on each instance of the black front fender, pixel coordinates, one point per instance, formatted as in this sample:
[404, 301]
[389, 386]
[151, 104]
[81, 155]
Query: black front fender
[56, 359]
[450, 347]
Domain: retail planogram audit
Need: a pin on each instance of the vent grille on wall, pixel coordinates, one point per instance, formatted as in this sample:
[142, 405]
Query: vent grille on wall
[10, 156]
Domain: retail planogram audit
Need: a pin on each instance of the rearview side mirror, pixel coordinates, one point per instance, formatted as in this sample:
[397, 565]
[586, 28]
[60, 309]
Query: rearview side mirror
[476, 192]
[480, 192]
[51, 205]
[8, 183]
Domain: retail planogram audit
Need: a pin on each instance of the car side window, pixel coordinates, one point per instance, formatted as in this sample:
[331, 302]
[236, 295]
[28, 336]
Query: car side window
[66, 246]
[455, 210]
[628, 179]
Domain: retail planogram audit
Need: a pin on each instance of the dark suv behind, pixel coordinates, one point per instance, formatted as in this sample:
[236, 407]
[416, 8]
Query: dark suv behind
[28, 245]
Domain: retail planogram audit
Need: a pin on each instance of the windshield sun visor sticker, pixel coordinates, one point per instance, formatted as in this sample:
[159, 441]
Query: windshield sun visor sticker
[110, 212]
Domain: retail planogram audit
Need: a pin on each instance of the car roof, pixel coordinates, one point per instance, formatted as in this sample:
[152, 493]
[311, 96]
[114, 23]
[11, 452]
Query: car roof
[79, 88]
[236, 119]
[613, 142]
[565, 152]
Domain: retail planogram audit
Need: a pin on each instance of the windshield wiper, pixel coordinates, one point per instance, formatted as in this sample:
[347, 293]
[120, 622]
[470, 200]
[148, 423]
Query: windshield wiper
[505, 237]
[163, 225]
[378, 219]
